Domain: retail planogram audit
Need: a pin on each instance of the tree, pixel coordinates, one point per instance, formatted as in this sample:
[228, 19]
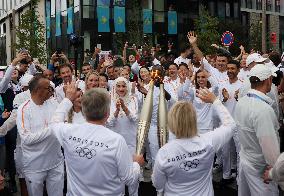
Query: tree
[255, 36]
[31, 33]
[207, 31]
[134, 24]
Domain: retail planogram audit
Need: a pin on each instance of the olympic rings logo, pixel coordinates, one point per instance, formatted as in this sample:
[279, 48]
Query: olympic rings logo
[186, 166]
[86, 152]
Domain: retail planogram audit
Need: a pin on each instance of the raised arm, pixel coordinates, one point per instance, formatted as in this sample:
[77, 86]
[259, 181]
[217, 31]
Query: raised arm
[224, 133]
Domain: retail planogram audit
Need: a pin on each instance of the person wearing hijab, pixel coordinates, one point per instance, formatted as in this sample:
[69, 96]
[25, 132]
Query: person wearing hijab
[124, 112]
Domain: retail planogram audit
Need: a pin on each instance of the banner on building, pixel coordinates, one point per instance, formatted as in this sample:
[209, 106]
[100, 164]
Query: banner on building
[147, 20]
[58, 24]
[105, 3]
[103, 19]
[172, 22]
[47, 19]
[70, 20]
[119, 19]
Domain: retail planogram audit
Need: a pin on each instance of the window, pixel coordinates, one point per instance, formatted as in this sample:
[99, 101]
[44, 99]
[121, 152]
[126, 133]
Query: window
[228, 9]
[236, 10]
[249, 4]
[88, 9]
[269, 5]
[258, 4]
[159, 15]
[221, 9]
[277, 5]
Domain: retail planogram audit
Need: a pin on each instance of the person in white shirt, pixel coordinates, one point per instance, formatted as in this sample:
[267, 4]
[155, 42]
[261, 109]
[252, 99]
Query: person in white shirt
[228, 90]
[258, 134]
[184, 53]
[184, 165]
[204, 111]
[173, 80]
[220, 72]
[42, 158]
[11, 123]
[124, 113]
[152, 135]
[276, 173]
[4, 83]
[91, 80]
[97, 159]
[66, 74]
[251, 61]
[244, 70]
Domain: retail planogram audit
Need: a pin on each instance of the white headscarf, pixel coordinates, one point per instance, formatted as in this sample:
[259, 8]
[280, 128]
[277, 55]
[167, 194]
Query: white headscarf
[114, 95]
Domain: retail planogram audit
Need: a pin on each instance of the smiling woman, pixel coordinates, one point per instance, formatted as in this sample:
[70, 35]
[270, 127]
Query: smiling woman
[124, 112]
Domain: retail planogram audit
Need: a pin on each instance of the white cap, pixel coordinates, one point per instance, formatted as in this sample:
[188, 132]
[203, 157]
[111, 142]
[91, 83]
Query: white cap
[262, 71]
[255, 57]
[24, 80]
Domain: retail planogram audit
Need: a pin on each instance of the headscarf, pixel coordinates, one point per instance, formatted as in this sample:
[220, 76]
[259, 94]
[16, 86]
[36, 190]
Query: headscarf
[114, 95]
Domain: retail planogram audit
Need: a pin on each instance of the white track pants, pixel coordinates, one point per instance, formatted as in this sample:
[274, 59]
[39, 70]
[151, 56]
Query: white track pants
[54, 181]
[251, 184]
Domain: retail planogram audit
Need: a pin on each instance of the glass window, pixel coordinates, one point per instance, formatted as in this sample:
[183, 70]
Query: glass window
[249, 4]
[221, 9]
[88, 9]
[269, 5]
[258, 4]
[236, 10]
[211, 6]
[277, 5]
[228, 9]
[159, 8]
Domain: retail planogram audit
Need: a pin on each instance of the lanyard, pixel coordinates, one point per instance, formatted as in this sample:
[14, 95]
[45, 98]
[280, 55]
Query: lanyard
[257, 97]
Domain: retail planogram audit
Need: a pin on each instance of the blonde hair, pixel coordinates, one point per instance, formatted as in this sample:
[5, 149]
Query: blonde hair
[182, 120]
[89, 74]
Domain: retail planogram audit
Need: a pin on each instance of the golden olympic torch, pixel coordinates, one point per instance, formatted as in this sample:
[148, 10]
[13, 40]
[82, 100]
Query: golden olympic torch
[145, 116]
[163, 134]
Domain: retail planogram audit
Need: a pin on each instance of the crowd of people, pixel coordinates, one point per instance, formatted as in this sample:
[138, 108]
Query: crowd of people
[60, 127]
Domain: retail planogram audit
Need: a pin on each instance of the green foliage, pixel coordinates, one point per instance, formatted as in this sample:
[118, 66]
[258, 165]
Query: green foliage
[31, 33]
[207, 30]
[134, 24]
[255, 36]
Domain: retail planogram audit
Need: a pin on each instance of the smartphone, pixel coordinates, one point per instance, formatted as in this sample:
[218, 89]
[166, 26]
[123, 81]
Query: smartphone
[58, 52]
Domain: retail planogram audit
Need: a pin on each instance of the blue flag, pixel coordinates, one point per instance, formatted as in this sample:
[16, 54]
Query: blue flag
[103, 19]
[119, 19]
[147, 20]
[57, 23]
[70, 20]
[172, 22]
[47, 19]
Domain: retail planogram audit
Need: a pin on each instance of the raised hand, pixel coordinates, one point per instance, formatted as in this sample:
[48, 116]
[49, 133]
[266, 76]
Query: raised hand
[206, 96]
[71, 90]
[192, 37]
[225, 94]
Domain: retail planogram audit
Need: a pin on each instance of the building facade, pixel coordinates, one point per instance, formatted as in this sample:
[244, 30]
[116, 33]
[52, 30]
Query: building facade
[85, 21]
[251, 13]
[10, 16]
